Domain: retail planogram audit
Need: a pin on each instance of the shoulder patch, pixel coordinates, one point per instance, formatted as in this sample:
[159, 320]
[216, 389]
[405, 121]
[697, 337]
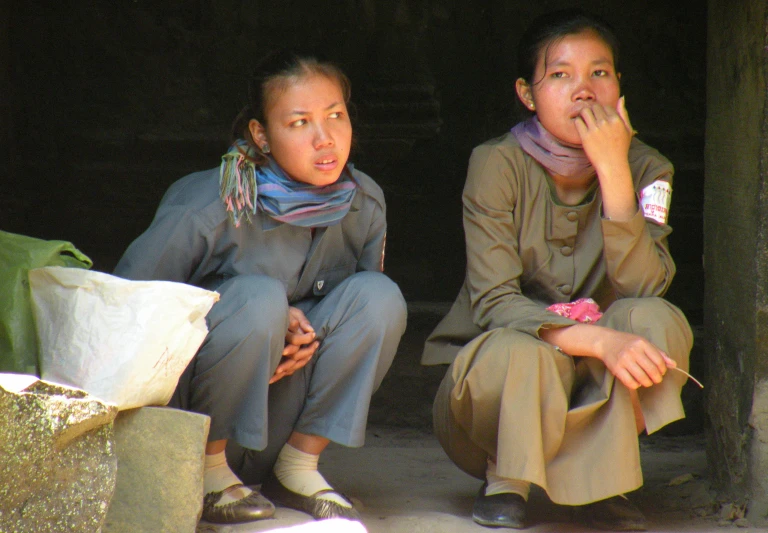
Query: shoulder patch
[655, 200]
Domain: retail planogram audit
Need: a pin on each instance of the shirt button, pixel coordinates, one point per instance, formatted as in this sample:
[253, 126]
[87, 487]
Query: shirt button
[565, 289]
[566, 250]
[572, 216]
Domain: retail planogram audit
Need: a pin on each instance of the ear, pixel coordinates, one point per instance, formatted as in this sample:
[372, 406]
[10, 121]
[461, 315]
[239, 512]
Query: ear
[258, 133]
[525, 94]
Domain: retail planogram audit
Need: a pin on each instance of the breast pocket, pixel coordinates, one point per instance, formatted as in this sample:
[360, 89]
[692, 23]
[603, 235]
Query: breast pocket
[329, 279]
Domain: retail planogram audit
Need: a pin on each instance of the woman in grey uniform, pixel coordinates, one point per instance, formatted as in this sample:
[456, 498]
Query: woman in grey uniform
[560, 346]
[292, 237]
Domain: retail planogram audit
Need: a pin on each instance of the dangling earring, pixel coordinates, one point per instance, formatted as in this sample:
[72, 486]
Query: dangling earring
[265, 148]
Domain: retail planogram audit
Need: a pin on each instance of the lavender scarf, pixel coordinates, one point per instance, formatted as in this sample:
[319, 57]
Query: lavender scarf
[564, 159]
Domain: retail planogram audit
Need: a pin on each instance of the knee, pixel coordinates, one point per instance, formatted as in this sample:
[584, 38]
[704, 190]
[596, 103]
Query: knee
[259, 300]
[649, 314]
[380, 297]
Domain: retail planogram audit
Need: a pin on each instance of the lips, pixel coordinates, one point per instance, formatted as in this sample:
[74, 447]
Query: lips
[575, 113]
[326, 163]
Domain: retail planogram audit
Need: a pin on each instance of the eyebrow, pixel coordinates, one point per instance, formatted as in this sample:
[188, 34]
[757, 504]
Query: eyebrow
[301, 112]
[600, 61]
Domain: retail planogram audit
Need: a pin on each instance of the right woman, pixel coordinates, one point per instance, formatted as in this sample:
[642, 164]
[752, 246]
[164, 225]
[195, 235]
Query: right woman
[559, 343]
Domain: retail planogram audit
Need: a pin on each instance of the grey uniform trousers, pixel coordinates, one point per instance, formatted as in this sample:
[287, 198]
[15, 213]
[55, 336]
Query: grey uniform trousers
[358, 323]
[561, 422]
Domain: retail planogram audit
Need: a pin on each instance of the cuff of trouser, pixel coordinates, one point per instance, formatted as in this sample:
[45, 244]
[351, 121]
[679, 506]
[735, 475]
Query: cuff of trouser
[661, 407]
[252, 441]
[351, 437]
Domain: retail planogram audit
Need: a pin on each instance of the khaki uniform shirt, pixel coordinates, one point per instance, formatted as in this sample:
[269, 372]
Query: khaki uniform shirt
[526, 251]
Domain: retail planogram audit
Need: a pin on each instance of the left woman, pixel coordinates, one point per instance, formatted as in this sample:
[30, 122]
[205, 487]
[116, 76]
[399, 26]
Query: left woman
[292, 237]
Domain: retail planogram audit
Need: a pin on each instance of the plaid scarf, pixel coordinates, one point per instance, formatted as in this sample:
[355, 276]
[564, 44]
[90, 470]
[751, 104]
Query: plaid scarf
[245, 188]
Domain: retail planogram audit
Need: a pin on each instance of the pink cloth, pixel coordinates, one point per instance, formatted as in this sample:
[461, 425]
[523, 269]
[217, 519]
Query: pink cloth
[582, 310]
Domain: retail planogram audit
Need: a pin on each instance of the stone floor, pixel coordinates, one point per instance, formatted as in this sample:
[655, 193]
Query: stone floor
[403, 482]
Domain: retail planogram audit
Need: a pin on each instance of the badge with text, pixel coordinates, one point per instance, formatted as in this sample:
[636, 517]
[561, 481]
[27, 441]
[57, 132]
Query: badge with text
[655, 200]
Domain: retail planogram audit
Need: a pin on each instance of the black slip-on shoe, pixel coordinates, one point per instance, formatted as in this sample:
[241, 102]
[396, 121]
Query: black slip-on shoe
[613, 514]
[319, 508]
[499, 510]
[252, 507]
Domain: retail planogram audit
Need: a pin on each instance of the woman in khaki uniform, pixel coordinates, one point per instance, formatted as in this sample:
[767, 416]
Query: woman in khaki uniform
[559, 342]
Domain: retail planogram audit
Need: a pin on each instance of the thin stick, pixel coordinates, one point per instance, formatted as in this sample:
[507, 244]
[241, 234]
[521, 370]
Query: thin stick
[696, 381]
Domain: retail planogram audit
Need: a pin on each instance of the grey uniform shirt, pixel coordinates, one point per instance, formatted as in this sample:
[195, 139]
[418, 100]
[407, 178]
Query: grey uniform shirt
[526, 251]
[192, 240]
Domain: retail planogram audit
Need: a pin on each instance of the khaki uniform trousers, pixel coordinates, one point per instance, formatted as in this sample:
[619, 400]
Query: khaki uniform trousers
[562, 423]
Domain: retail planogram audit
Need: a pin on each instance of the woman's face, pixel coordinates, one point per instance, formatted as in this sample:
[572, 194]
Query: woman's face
[308, 129]
[578, 73]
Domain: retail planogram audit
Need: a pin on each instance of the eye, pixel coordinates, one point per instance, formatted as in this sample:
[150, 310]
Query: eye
[336, 114]
[298, 123]
[601, 73]
[558, 74]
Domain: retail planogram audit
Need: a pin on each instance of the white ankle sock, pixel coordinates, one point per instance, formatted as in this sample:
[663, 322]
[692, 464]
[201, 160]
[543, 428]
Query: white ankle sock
[499, 485]
[217, 476]
[297, 471]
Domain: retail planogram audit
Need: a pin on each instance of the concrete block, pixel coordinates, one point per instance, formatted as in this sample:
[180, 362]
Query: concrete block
[160, 471]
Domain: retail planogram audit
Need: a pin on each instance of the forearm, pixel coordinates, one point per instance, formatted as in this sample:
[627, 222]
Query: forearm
[578, 339]
[617, 190]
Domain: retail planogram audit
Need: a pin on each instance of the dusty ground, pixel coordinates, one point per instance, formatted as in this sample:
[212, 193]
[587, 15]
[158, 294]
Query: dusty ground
[403, 482]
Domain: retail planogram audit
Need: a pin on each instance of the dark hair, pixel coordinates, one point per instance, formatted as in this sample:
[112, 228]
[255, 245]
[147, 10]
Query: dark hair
[272, 74]
[550, 28]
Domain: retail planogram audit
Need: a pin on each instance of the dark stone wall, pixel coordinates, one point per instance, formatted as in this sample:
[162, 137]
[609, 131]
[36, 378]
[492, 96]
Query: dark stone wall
[736, 249]
[116, 100]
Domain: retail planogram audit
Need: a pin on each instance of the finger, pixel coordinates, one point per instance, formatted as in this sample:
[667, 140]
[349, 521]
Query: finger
[285, 366]
[276, 377]
[581, 127]
[621, 109]
[671, 363]
[639, 374]
[626, 378]
[601, 113]
[651, 370]
[293, 321]
[299, 365]
[299, 339]
[588, 116]
[301, 319]
[306, 352]
[290, 349]
[305, 325]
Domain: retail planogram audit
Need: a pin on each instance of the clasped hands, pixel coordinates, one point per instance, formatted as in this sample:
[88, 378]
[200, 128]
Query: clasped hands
[300, 345]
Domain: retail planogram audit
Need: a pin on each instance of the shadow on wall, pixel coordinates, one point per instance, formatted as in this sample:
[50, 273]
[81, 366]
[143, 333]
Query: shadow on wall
[112, 102]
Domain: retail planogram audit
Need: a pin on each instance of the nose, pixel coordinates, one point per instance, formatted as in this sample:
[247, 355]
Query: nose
[323, 137]
[583, 91]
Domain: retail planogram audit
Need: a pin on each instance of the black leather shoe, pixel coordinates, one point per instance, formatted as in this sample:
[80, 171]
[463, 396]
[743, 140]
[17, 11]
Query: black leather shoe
[252, 507]
[613, 514]
[319, 508]
[499, 510]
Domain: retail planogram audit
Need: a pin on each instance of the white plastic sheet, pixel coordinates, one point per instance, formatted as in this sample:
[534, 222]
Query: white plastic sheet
[125, 342]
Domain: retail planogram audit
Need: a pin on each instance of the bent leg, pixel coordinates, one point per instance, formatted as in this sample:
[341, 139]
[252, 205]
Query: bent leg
[359, 325]
[546, 417]
[504, 397]
[229, 376]
[666, 327]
